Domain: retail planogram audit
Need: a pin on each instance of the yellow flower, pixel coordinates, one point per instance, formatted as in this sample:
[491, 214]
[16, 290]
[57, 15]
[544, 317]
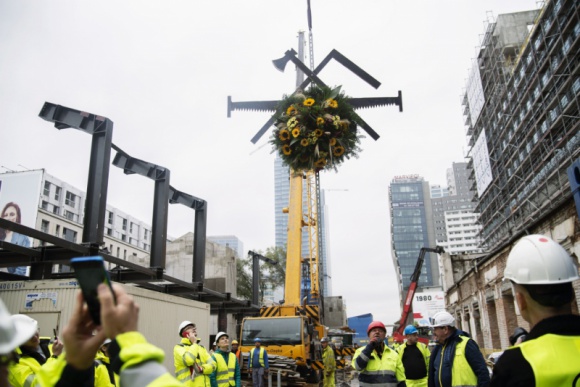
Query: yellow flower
[318, 132]
[304, 142]
[332, 103]
[292, 122]
[336, 121]
[320, 121]
[284, 135]
[333, 141]
[296, 132]
[308, 102]
[338, 151]
[291, 110]
[286, 150]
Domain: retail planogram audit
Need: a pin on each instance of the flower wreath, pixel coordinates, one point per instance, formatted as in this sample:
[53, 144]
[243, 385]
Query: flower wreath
[315, 129]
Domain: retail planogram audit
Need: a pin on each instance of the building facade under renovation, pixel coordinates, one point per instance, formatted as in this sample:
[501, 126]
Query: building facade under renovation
[522, 115]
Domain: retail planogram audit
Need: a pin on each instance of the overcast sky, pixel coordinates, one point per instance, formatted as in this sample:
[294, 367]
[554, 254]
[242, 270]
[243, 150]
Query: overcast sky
[162, 71]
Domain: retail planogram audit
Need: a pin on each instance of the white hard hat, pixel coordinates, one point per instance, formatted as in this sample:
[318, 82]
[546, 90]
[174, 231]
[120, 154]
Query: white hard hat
[324, 340]
[14, 330]
[443, 319]
[183, 325]
[219, 335]
[538, 260]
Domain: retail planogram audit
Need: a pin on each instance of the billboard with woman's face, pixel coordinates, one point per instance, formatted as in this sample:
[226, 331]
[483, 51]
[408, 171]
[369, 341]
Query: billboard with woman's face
[19, 197]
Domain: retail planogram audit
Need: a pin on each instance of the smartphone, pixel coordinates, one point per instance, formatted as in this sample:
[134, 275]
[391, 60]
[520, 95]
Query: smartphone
[90, 272]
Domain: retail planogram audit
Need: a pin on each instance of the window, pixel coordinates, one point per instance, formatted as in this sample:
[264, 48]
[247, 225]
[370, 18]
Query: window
[46, 188]
[110, 218]
[111, 248]
[118, 251]
[44, 205]
[146, 234]
[124, 224]
[69, 235]
[56, 210]
[44, 226]
[57, 192]
[125, 254]
[123, 237]
[57, 231]
[70, 199]
[109, 231]
[69, 215]
[131, 228]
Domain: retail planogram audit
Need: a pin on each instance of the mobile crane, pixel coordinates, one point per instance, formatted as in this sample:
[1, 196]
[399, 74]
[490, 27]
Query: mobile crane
[294, 329]
[400, 327]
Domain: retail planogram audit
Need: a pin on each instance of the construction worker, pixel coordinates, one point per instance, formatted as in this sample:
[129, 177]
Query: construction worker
[415, 358]
[31, 354]
[397, 342]
[193, 364]
[329, 363]
[258, 363]
[237, 351]
[377, 364]
[456, 360]
[12, 335]
[541, 272]
[104, 361]
[227, 372]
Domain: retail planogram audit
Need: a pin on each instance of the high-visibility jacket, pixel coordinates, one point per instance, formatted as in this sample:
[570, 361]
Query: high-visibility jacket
[426, 355]
[329, 366]
[104, 367]
[185, 355]
[140, 366]
[386, 370]
[262, 354]
[461, 372]
[226, 374]
[23, 373]
[547, 357]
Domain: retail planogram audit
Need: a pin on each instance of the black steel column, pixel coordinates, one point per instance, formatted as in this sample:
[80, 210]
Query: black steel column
[199, 240]
[159, 226]
[255, 279]
[97, 185]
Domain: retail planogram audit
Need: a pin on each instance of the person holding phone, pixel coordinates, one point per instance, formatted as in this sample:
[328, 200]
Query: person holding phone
[137, 362]
[193, 364]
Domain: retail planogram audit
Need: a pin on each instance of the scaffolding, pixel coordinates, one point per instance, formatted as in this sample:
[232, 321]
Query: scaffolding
[529, 118]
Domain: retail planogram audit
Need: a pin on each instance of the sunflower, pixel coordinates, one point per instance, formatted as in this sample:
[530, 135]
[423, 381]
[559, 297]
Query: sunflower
[338, 151]
[333, 141]
[284, 135]
[304, 142]
[332, 103]
[296, 132]
[291, 110]
[318, 132]
[286, 150]
[320, 121]
[309, 102]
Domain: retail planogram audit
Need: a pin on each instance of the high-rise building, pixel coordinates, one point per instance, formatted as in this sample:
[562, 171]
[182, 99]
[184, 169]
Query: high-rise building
[453, 215]
[522, 110]
[231, 241]
[411, 229]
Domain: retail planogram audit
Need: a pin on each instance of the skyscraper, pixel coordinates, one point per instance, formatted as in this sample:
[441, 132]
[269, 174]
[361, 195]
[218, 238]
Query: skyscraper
[412, 228]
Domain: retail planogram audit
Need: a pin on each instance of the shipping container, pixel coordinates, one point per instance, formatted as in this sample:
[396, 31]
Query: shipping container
[51, 303]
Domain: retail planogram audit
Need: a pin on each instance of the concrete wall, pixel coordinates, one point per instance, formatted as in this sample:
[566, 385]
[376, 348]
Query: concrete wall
[334, 312]
[159, 316]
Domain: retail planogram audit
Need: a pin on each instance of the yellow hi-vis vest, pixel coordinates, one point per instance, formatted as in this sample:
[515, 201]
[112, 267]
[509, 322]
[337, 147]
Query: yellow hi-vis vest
[461, 373]
[261, 359]
[555, 359]
[185, 355]
[225, 372]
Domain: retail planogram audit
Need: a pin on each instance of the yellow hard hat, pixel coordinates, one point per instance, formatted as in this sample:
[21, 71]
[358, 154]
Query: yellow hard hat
[235, 342]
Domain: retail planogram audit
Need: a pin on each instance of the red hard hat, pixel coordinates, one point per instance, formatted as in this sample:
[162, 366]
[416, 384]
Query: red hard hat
[376, 324]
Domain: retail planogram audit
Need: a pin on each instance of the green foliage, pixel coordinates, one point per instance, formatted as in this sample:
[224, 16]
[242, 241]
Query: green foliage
[270, 275]
[316, 129]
